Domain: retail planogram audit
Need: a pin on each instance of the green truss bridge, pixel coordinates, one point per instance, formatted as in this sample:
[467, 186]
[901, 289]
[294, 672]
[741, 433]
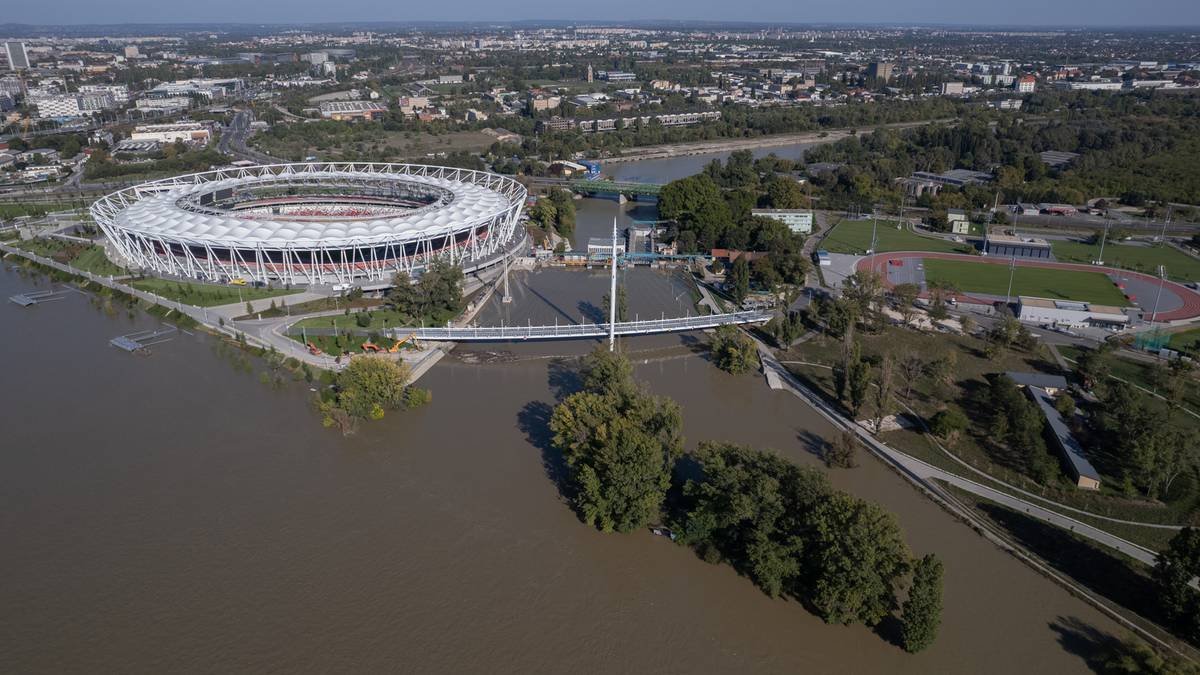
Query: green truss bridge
[615, 187]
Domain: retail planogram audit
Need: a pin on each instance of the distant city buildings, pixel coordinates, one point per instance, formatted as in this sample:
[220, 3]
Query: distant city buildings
[352, 110]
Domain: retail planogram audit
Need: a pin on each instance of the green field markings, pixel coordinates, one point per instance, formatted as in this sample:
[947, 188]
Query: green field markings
[980, 277]
[854, 237]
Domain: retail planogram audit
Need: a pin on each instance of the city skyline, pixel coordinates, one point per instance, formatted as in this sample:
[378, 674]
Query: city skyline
[1023, 13]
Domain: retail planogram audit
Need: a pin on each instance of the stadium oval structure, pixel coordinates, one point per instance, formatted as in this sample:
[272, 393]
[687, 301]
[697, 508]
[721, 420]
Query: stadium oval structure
[313, 223]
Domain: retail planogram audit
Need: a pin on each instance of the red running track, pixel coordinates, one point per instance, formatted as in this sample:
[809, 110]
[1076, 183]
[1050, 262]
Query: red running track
[1190, 308]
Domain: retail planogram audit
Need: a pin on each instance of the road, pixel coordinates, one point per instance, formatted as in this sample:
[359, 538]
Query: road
[233, 140]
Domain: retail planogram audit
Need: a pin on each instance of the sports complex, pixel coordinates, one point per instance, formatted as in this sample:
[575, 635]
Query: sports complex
[313, 223]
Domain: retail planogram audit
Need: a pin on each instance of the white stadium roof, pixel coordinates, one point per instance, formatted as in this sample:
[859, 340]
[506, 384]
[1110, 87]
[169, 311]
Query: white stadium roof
[161, 215]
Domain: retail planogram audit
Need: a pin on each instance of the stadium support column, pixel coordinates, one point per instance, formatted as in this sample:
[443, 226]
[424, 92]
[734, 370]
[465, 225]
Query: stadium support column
[612, 294]
[507, 297]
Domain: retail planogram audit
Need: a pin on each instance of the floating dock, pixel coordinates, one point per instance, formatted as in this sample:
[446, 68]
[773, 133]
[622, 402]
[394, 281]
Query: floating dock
[134, 342]
[34, 297]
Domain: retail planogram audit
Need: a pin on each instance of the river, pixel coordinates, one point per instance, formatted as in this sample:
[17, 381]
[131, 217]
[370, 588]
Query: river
[168, 513]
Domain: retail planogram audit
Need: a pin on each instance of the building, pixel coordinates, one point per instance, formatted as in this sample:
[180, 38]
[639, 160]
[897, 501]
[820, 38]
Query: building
[96, 102]
[165, 105]
[473, 115]
[1047, 311]
[187, 132]
[119, 92]
[1057, 159]
[541, 103]
[952, 89]
[616, 76]
[1026, 84]
[131, 52]
[1008, 246]
[409, 105]
[1051, 383]
[880, 70]
[18, 58]
[822, 258]
[958, 221]
[1097, 85]
[353, 110]
[799, 221]
[604, 246]
[57, 106]
[566, 168]
[1081, 470]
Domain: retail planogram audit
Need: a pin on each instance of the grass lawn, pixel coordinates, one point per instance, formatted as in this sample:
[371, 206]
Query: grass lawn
[1180, 266]
[380, 319]
[1186, 340]
[11, 210]
[76, 254]
[979, 277]
[206, 295]
[854, 236]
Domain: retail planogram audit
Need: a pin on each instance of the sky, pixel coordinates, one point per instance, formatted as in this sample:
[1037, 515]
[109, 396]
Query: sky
[1127, 13]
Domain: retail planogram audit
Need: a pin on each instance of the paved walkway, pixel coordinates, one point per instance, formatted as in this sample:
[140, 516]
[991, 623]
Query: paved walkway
[923, 474]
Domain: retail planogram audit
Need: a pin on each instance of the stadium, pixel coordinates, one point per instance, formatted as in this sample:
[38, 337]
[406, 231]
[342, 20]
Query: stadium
[313, 223]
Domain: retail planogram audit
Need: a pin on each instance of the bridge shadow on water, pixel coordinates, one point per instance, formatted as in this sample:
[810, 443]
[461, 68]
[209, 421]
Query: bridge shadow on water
[591, 312]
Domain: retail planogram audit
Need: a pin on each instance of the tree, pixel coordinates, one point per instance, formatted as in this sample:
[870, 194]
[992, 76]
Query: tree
[784, 192]
[863, 290]
[364, 390]
[732, 351]
[1172, 574]
[858, 380]
[884, 390]
[923, 610]
[402, 296]
[841, 452]
[738, 279]
[1094, 365]
[912, 367]
[905, 297]
[620, 445]
[948, 424]
[859, 559]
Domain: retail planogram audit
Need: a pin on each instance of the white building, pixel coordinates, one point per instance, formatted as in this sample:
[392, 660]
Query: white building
[167, 104]
[1042, 311]
[188, 132]
[799, 221]
[119, 92]
[61, 105]
[1026, 84]
[96, 101]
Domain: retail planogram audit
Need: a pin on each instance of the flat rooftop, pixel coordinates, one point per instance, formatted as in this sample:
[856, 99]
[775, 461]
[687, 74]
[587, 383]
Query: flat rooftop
[1070, 305]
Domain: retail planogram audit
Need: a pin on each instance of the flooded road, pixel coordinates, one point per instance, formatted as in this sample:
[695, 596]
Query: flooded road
[167, 513]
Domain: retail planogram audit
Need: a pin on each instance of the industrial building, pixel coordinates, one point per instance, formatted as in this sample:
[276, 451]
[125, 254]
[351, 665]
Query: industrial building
[188, 132]
[1008, 246]
[352, 110]
[1047, 311]
[799, 221]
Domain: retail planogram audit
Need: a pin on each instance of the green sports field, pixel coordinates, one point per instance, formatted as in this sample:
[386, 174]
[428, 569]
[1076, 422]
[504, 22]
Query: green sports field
[854, 236]
[980, 277]
[1180, 266]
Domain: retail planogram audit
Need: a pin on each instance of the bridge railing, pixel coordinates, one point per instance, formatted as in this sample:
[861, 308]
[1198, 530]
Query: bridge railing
[646, 327]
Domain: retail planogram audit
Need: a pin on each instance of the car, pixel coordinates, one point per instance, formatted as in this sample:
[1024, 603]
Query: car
[238, 282]
[338, 288]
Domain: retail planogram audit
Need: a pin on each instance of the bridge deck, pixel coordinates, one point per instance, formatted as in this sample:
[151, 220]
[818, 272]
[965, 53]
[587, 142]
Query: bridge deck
[586, 330]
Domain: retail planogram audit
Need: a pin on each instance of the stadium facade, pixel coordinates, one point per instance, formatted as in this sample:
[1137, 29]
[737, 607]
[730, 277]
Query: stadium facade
[312, 223]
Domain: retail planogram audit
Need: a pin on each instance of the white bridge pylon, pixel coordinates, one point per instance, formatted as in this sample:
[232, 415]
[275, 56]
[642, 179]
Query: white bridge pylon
[584, 330]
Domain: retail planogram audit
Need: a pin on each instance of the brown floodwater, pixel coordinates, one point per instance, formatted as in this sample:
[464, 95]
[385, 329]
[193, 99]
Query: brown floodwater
[167, 513]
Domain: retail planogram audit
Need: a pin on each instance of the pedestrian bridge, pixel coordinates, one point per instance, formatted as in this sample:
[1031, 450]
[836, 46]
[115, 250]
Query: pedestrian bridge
[581, 330]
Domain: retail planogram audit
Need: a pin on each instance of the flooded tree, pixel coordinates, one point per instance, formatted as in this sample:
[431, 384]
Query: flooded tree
[923, 610]
[620, 445]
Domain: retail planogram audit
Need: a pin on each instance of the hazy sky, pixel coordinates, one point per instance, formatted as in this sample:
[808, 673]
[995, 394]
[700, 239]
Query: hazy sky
[1174, 13]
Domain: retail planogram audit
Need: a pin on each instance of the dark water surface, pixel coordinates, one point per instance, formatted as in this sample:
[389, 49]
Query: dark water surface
[170, 514]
